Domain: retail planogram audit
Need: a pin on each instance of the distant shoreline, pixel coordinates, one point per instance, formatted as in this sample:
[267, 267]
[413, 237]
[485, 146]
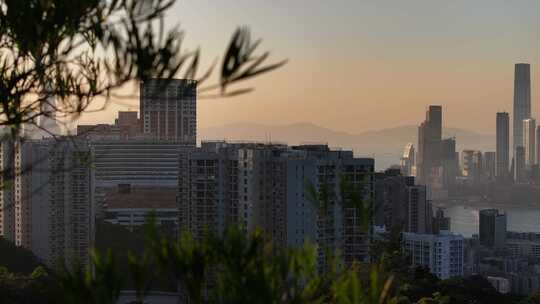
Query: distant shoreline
[484, 203]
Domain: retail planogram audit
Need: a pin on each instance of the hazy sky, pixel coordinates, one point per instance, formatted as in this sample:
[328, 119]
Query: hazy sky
[358, 65]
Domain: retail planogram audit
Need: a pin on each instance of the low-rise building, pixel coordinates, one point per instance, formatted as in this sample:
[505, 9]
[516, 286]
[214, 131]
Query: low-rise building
[132, 207]
[442, 253]
[502, 285]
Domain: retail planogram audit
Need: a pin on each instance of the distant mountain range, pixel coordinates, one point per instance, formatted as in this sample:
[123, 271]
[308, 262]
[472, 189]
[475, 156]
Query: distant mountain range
[385, 145]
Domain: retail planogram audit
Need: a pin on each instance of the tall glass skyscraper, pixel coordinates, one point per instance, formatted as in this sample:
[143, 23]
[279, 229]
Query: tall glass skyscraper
[522, 101]
[429, 144]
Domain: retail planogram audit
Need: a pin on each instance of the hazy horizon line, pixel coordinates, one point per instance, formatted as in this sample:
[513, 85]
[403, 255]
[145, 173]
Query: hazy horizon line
[337, 130]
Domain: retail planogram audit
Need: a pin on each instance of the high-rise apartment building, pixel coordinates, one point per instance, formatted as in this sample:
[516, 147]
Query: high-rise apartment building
[429, 144]
[443, 254]
[401, 203]
[51, 200]
[70, 204]
[16, 191]
[7, 190]
[529, 141]
[169, 109]
[503, 145]
[419, 210]
[492, 228]
[391, 198]
[522, 100]
[23, 192]
[209, 190]
[264, 186]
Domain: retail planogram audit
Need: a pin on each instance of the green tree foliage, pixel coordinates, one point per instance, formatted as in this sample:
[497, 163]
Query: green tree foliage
[242, 268]
[37, 288]
[532, 299]
[237, 268]
[101, 285]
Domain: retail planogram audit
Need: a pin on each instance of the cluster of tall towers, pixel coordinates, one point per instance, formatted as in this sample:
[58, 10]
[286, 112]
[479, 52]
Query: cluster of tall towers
[436, 161]
[525, 140]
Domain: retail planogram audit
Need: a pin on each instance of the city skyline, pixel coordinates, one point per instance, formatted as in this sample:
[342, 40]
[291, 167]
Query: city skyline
[388, 140]
[468, 72]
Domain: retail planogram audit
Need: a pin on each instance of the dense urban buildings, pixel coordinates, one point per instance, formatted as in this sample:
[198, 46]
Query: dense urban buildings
[168, 109]
[522, 101]
[502, 145]
[264, 186]
[403, 204]
[437, 162]
[150, 165]
[54, 188]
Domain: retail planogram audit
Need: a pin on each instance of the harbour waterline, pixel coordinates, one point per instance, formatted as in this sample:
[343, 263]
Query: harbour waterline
[464, 219]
